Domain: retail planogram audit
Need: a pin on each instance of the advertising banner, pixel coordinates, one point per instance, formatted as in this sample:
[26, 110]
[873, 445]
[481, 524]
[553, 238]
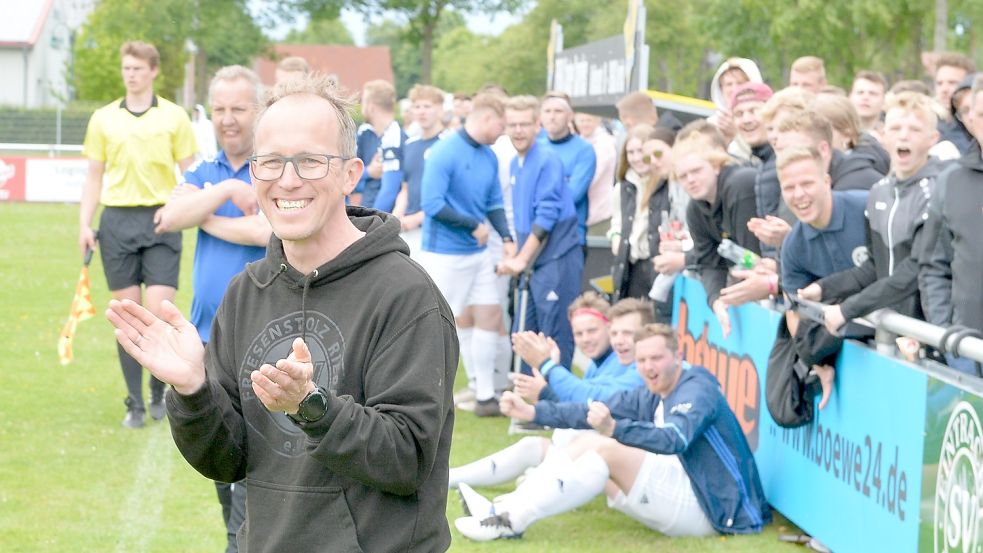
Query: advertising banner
[853, 477]
[55, 180]
[11, 179]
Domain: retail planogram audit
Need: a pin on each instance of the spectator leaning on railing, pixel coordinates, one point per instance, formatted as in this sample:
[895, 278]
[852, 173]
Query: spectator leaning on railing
[950, 281]
[896, 211]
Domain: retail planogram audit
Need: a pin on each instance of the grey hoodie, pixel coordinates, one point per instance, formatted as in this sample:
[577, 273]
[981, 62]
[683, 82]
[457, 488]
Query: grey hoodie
[372, 474]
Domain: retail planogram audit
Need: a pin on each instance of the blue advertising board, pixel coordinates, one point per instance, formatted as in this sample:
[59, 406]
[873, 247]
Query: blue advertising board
[853, 477]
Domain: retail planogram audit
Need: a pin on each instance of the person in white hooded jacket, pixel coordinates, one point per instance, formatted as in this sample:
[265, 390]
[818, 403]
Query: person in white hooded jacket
[731, 74]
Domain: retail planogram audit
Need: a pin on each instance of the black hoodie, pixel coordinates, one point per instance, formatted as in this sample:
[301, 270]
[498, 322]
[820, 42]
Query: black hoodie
[950, 278]
[372, 474]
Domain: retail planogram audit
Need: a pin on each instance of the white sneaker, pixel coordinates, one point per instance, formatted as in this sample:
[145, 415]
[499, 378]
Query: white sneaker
[474, 504]
[467, 405]
[491, 528]
[465, 394]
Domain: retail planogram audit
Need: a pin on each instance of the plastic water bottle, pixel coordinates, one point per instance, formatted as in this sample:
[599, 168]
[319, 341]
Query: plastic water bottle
[742, 257]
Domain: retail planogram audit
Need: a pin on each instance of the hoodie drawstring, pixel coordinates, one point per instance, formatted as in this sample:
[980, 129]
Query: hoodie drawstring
[303, 305]
[283, 269]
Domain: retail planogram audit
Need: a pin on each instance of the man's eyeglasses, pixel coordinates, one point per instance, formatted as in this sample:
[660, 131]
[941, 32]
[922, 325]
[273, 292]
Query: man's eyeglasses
[307, 166]
[649, 158]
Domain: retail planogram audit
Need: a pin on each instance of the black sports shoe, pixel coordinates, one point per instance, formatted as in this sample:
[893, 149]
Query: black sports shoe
[134, 415]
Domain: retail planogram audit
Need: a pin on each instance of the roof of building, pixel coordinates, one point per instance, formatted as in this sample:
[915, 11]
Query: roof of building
[353, 65]
[22, 22]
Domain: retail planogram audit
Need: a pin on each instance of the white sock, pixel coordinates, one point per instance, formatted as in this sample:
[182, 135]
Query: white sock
[464, 339]
[502, 466]
[559, 492]
[483, 343]
[503, 363]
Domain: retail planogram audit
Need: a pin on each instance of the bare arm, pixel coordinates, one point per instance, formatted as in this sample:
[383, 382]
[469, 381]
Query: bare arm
[183, 164]
[91, 192]
[190, 210]
[251, 230]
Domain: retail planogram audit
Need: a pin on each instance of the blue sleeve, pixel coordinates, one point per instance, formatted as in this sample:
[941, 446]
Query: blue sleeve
[793, 277]
[681, 428]
[547, 394]
[495, 200]
[191, 176]
[561, 415]
[583, 173]
[392, 175]
[547, 202]
[570, 388]
[436, 180]
[392, 181]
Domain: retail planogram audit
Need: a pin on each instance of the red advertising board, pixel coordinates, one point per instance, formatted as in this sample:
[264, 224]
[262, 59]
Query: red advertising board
[12, 170]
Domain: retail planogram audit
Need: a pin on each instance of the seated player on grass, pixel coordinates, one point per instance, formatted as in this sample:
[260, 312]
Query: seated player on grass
[610, 345]
[670, 454]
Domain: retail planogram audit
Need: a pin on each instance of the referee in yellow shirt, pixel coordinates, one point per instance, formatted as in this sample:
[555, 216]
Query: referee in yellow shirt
[133, 144]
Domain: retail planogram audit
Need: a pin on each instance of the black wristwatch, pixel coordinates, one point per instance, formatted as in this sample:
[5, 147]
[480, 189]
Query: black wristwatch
[310, 409]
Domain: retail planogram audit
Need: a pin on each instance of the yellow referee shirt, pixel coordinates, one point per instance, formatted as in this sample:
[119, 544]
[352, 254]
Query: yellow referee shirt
[139, 152]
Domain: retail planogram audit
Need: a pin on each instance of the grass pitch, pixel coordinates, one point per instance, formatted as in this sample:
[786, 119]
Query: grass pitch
[73, 479]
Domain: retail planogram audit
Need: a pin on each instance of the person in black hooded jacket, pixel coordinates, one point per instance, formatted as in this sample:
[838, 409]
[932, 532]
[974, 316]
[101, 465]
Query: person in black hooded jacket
[721, 203]
[897, 208]
[327, 379]
[956, 131]
[949, 279]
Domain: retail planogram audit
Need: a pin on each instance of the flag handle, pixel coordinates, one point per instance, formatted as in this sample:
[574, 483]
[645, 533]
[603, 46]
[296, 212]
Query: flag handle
[87, 258]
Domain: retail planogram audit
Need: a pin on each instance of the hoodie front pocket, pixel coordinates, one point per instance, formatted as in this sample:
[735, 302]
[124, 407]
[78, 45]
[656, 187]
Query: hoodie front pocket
[291, 518]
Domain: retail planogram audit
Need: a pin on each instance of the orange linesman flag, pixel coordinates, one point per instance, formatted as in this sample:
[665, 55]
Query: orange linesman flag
[81, 309]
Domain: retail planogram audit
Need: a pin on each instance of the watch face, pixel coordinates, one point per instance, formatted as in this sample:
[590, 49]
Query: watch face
[313, 407]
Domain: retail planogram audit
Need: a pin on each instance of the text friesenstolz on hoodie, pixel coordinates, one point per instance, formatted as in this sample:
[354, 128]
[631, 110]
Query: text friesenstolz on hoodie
[372, 474]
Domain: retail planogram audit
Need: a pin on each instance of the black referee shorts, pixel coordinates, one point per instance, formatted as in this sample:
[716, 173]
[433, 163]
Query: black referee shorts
[132, 254]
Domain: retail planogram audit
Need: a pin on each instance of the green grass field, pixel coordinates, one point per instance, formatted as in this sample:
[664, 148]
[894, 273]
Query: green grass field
[72, 479]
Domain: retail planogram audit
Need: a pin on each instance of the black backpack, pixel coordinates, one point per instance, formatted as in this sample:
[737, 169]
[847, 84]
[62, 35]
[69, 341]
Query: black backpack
[791, 386]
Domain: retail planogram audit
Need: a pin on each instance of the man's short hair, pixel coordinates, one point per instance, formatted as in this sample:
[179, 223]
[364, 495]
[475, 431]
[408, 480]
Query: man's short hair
[638, 105]
[809, 64]
[379, 93]
[462, 96]
[698, 145]
[954, 59]
[792, 98]
[707, 131]
[841, 114]
[234, 73]
[425, 92]
[322, 86]
[493, 88]
[142, 51]
[488, 101]
[915, 103]
[832, 90]
[872, 76]
[795, 154]
[910, 85]
[627, 306]
[653, 330]
[560, 95]
[294, 64]
[808, 122]
[589, 300]
[524, 102]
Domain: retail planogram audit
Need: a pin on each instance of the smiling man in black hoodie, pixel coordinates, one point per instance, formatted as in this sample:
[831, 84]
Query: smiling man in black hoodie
[327, 379]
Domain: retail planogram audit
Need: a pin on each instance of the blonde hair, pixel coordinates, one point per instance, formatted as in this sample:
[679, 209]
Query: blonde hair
[913, 102]
[325, 87]
[809, 122]
[809, 64]
[379, 93]
[795, 154]
[842, 115]
[698, 145]
[791, 98]
[425, 92]
[638, 105]
[489, 101]
[142, 51]
[628, 306]
[654, 330]
[294, 64]
[525, 102]
[589, 300]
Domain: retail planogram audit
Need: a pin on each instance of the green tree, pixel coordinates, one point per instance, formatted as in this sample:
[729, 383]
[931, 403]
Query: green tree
[321, 31]
[164, 23]
[405, 54]
[222, 30]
